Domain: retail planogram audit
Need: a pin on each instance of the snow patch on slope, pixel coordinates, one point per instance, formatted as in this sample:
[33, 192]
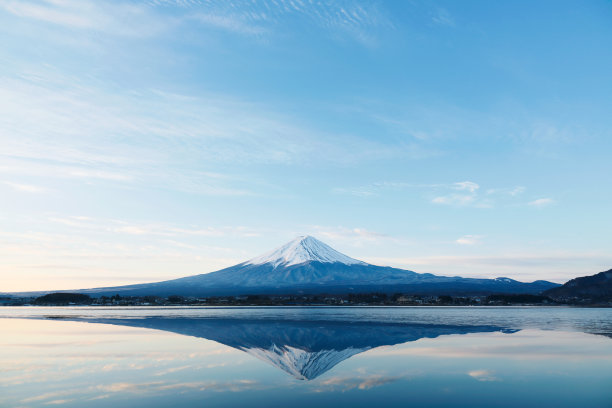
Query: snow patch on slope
[300, 250]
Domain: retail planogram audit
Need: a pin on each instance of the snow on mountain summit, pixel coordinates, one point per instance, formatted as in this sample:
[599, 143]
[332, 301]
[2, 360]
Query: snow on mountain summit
[300, 250]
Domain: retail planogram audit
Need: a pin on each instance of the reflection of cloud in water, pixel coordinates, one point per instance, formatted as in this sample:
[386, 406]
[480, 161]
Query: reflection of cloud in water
[482, 375]
[156, 386]
[540, 346]
[144, 388]
[350, 383]
[304, 349]
[172, 370]
[48, 395]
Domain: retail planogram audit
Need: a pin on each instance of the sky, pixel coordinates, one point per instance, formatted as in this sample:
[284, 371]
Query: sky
[142, 141]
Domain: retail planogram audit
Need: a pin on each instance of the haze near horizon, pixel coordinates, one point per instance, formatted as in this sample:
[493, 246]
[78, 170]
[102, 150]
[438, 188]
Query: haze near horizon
[145, 141]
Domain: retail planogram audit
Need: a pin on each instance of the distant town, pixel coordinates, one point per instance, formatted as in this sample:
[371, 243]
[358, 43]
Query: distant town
[357, 299]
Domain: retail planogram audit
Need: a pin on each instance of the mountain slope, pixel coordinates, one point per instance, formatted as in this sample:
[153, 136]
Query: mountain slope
[596, 287]
[307, 265]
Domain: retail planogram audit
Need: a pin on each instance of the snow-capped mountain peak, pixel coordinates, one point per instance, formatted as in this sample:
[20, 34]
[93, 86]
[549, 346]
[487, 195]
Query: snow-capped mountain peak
[303, 249]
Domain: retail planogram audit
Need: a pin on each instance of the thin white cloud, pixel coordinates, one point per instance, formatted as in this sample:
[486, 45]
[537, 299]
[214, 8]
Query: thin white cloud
[469, 198]
[57, 126]
[466, 185]
[469, 240]
[454, 199]
[352, 236]
[49, 395]
[76, 130]
[84, 251]
[543, 132]
[231, 23]
[461, 193]
[110, 18]
[344, 19]
[26, 188]
[542, 202]
[358, 191]
[443, 17]
[375, 189]
[48, 12]
[150, 229]
[512, 191]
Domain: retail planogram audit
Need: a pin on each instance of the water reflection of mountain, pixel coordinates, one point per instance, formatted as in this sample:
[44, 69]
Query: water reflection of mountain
[304, 349]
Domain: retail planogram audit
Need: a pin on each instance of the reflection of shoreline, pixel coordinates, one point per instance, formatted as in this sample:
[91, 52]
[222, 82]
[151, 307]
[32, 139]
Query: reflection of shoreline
[304, 349]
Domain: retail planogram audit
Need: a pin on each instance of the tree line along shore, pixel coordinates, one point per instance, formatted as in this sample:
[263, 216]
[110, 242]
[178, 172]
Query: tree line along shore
[351, 299]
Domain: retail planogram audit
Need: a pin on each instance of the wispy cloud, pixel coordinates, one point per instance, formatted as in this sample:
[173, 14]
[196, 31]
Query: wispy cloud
[26, 188]
[375, 189]
[110, 18]
[378, 188]
[352, 236]
[511, 191]
[456, 199]
[62, 13]
[438, 126]
[461, 193]
[342, 19]
[466, 185]
[470, 195]
[469, 240]
[49, 396]
[58, 126]
[76, 129]
[231, 23]
[443, 17]
[80, 251]
[462, 199]
[150, 229]
[542, 202]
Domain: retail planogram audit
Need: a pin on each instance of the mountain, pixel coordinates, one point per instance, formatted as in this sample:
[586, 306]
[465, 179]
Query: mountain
[594, 287]
[300, 250]
[307, 265]
[304, 349]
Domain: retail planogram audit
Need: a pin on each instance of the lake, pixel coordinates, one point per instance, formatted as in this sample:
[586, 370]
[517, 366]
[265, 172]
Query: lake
[305, 356]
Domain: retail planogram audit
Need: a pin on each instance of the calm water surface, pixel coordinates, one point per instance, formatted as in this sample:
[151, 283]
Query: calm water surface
[303, 357]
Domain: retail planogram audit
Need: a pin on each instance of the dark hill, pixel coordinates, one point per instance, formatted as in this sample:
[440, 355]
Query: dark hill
[594, 287]
[60, 298]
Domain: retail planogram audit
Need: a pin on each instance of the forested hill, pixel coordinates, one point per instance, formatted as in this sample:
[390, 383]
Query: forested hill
[596, 287]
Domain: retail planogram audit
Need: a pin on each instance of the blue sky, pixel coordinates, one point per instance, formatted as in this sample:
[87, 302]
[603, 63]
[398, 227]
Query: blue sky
[143, 141]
